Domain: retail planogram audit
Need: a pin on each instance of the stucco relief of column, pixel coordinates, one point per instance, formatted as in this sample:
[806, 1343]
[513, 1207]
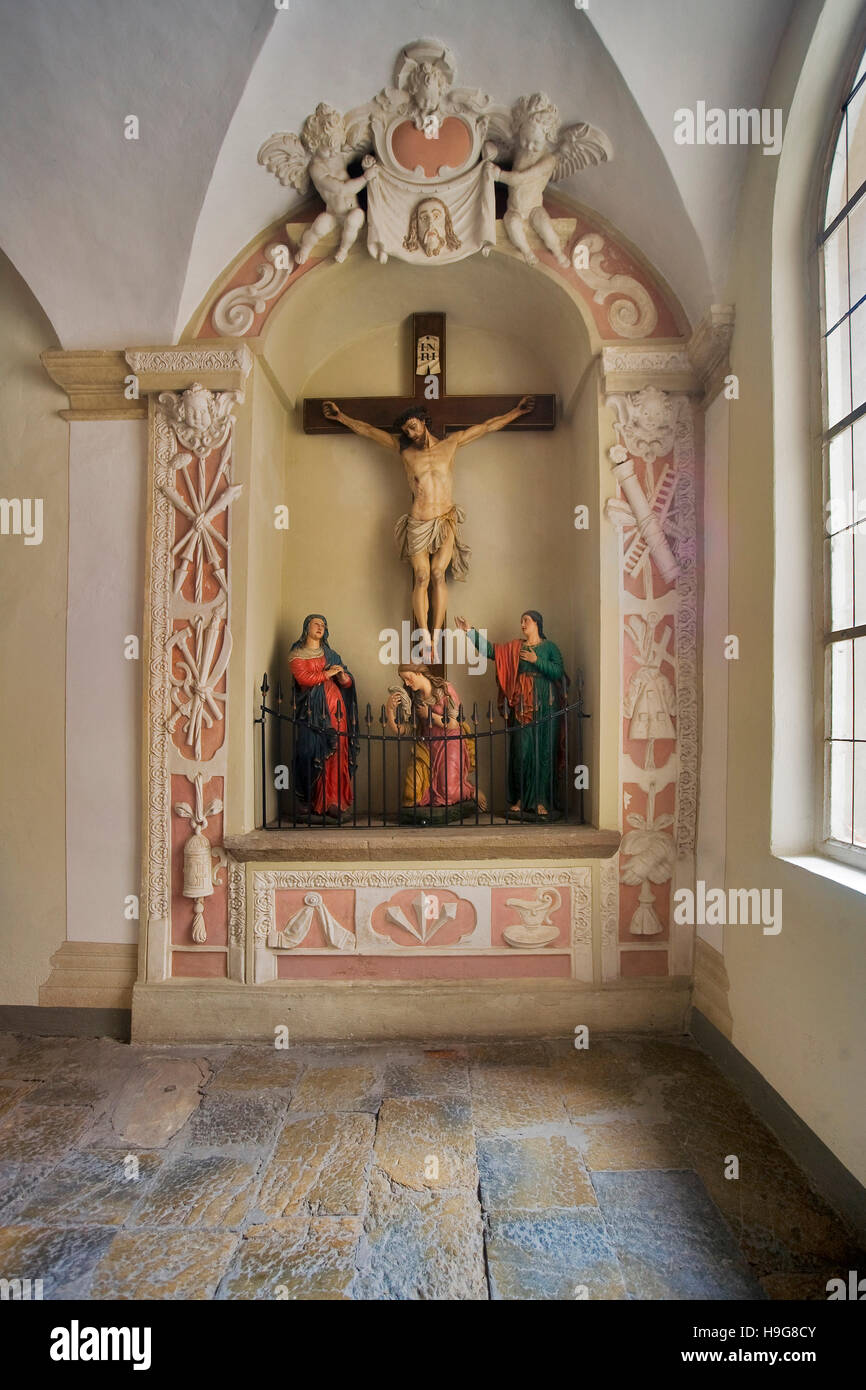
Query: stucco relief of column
[188, 597]
[653, 463]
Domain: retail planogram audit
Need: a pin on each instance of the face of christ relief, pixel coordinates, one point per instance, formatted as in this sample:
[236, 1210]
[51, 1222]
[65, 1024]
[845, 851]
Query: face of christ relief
[429, 535]
[431, 229]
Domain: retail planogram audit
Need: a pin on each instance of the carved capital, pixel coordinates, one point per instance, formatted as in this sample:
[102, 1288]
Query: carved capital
[629, 369]
[709, 346]
[214, 366]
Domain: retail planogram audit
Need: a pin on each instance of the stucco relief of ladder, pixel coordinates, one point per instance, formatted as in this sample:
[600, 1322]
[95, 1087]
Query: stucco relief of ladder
[660, 503]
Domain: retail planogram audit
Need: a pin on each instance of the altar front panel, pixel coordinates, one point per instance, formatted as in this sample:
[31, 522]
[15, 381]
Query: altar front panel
[409, 924]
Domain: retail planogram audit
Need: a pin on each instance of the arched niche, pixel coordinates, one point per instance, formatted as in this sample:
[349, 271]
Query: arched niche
[343, 330]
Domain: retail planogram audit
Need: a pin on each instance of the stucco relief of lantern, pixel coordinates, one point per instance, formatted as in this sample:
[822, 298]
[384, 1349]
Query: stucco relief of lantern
[199, 875]
[198, 880]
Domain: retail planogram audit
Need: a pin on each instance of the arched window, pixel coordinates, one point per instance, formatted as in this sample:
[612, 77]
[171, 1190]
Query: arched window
[843, 252]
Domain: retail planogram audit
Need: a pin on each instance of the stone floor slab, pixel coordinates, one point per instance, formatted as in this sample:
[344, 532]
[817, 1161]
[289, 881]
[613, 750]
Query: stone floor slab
[13, 1091]
[92, 1188]
[295, 1259]
[69, 1091]
[513, 1097]
[670, 1238]
[156, 1101]
[428, 1076]
[627, 1145]
[532, 1174]
[41, 1133]
[525, 1053]
[62, 1257]
[338, 1088]
[319, 1162]
[420, 1245]
[427, 1143]
[205, 1191]
[17, 1181]
[254, 1068]
[163, 1265]
[561, 1255]
[230, 1120]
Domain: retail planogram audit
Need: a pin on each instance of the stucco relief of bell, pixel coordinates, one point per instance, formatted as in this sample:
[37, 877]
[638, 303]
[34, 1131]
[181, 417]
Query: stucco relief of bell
[198, 873]
[535, 927]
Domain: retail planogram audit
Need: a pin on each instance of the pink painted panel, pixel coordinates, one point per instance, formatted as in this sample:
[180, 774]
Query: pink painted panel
[504, 916]
[200, 965]
[340, 902]
[449, 934]
[411, 147]
[636, 964]
[420, 967]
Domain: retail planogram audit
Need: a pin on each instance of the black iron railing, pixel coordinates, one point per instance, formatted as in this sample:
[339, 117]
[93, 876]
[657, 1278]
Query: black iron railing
[494, 745]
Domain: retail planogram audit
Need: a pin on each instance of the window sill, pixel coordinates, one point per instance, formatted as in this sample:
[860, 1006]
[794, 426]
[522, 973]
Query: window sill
[826, 867]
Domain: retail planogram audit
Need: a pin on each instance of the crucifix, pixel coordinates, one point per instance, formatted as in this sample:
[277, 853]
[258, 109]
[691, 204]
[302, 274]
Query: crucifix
[426, 429]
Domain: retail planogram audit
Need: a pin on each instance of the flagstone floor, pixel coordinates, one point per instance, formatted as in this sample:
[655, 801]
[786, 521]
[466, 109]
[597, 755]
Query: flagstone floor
[506, 1171]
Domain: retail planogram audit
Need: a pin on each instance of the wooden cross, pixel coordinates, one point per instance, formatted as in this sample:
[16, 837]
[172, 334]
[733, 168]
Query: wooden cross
[428, 374]
[446, 412]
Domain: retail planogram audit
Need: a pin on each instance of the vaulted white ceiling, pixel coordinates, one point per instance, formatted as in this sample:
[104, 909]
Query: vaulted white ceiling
[120, 240]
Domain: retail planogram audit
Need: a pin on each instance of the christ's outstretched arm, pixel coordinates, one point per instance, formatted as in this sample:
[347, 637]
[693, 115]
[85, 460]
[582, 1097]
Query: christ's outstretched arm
[497, 422]
[332, 411]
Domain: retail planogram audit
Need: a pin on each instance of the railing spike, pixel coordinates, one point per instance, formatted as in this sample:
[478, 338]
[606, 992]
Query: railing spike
[264, 687]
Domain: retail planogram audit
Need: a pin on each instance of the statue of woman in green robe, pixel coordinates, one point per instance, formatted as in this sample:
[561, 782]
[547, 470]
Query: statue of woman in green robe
[532, 687]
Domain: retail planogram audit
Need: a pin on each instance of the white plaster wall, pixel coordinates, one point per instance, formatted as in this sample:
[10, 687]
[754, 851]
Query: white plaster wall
[33, 464]
[712, 812]
[100, 226]
[796, 999]
[107, 473]
[722, 55]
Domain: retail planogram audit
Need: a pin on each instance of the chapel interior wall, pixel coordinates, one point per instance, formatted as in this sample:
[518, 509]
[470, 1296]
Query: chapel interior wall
[34, 445]
[796, 997]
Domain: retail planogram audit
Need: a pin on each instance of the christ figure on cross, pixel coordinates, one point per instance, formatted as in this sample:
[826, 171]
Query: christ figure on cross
[429, 535]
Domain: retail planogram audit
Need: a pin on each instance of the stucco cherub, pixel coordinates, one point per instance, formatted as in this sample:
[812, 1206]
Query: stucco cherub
[425, 70]
[543, 154]
[321, 154]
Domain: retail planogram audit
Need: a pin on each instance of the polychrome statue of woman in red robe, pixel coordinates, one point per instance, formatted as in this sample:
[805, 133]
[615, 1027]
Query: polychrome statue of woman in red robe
[326, 721]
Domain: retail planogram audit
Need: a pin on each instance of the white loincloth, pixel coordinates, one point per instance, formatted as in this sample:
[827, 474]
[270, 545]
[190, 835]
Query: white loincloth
[415, 537]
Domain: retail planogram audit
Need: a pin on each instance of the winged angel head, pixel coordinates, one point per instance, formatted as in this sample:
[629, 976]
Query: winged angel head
[543, 152]
[321, 155]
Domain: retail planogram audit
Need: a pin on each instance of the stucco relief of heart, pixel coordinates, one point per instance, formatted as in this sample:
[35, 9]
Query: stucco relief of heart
[451, 148]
